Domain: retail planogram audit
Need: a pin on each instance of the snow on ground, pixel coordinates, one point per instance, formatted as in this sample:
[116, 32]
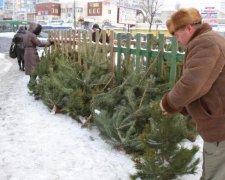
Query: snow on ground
[5, 64]
[7, 34]
[199, 143]
[34, 144]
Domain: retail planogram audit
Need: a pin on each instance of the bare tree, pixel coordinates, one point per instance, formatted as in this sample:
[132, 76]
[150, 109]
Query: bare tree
[150, 8]
[74, 14]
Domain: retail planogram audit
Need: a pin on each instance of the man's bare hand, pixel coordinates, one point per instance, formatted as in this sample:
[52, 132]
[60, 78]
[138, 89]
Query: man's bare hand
[163, 110]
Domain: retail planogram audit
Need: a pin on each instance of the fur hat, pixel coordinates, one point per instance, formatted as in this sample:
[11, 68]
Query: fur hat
[170, 26]
[95, 26]
[183, 17]
[37, 29]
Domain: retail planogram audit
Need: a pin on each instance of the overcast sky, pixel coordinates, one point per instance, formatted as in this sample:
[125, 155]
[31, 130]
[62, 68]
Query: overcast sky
[200, 4]
[170, 4]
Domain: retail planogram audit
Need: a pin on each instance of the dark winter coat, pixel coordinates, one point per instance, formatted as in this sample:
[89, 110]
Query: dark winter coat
[18, 40]
[201, 88]
[100, 39]
[31, 57]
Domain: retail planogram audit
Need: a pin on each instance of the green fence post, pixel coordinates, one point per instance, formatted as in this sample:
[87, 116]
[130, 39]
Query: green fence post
[160, 58]
[127, 53]
[148, 48]
[138, 52]
[118, 66]
[173, 61]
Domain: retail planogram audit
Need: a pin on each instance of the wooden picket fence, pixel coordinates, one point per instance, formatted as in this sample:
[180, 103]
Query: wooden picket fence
[135, 53]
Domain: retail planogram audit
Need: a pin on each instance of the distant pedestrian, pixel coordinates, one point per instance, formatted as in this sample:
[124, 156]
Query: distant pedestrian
[95, 29]
[19, 45]
[31, 57]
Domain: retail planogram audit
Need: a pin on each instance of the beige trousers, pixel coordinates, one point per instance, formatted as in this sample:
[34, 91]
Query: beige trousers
[213, 161]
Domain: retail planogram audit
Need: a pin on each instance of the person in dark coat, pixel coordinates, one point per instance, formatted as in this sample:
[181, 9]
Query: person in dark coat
[18, 40]
[95, 28]
[31, 58]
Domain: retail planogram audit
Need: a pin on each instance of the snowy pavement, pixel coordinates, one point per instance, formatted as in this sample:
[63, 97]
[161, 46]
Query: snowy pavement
[34, 144]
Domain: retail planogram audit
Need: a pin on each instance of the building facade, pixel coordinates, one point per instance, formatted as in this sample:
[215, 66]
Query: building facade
[87, 12]
[1, 4]
[24, 7]
[72, 11]
[46, 12]
[9, 9]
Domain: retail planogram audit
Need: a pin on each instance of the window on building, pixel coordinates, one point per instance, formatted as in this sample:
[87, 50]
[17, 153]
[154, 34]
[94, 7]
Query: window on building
[94, 11]
[95, 8]
[109, 11]
[40, 17]
[69, 10]
[80, 10]
[98, 10]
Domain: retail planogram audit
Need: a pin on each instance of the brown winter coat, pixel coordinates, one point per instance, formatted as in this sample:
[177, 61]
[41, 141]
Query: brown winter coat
[31, 58]
[201, 88]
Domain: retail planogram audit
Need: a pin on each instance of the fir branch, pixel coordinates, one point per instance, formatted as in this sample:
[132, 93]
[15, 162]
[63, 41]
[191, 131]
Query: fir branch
[87, 121]
[142, 99]
[107, 84]
[150, 68]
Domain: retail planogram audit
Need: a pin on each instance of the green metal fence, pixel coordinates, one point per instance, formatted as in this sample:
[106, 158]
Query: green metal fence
[136, 53]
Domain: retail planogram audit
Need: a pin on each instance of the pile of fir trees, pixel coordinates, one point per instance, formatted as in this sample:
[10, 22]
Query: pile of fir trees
[128, 115]
[68, 86]
[130, 118]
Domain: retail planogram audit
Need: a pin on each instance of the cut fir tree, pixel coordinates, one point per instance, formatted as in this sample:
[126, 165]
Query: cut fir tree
[68, 86]
[164, 155]
[129, 116]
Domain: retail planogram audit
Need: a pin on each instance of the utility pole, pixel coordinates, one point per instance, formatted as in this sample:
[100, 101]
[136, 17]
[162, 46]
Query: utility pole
[74, 14]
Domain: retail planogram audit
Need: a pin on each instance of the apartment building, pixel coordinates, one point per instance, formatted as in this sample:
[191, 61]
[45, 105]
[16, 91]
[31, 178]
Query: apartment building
[23, 8]
[68, 14]
[1, 4]
[88, 12]
[16, 9]
[9, 9]
[46, 12]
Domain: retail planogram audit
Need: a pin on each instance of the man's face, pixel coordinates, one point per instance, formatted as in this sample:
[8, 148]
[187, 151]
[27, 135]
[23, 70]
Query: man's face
[183, 35]
[33, 26]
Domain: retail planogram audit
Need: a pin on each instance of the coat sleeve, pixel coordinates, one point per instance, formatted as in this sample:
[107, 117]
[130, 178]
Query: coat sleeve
[39, 43]
[201, 71]
[14, 38]
[93, 36]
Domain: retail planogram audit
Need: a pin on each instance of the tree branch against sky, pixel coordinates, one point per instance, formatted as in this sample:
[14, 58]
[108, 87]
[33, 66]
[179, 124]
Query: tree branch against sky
[150, 8]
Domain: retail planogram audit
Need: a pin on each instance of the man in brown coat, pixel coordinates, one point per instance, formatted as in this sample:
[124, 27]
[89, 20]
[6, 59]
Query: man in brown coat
[31, 58]
[200, 92]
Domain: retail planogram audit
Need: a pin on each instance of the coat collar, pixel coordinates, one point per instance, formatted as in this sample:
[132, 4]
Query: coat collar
[203, 28]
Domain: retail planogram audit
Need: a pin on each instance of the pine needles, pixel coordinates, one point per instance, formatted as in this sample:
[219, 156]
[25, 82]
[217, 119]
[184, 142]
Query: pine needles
[128, 115]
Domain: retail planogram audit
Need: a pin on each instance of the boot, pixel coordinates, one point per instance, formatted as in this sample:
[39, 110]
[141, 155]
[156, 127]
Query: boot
[19, 63]
[23, 69]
